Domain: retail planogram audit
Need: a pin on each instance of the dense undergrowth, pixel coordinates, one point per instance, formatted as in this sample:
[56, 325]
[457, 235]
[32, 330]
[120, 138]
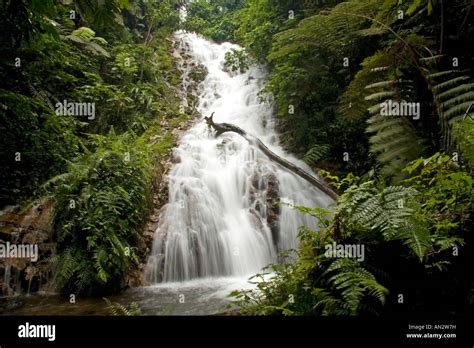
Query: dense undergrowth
[413, 236]
[97, 168]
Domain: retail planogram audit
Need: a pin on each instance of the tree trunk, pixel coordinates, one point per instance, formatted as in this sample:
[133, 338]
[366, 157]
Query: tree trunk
[227, 127]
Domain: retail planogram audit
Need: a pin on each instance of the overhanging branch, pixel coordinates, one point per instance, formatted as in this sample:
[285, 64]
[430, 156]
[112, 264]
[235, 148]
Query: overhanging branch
[227, 127]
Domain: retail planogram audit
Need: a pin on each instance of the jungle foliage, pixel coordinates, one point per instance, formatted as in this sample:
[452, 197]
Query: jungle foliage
[333, 63]
[97, 170]
[409, 233]
[405, 182]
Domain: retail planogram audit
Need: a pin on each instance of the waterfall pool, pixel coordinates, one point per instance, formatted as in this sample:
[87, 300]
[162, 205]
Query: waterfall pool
[195, 297]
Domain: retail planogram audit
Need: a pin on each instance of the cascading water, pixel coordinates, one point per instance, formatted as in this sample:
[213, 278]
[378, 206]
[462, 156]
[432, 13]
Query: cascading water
[223, 216]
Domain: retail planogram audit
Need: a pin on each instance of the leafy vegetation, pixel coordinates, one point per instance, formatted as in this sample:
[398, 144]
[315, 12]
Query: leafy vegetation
[332, 64]
[407, 187]
[236, 60]
[217, 19]
[100, 204]
[422, 222]
[96, 169]
[117, 309]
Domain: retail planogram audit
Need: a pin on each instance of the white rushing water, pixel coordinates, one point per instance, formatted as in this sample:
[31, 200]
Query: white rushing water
[219, 220]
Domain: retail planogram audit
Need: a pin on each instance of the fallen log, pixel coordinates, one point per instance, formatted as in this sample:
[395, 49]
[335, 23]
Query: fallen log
[227, 127]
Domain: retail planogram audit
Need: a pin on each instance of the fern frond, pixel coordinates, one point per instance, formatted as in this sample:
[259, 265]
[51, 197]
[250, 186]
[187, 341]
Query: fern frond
[380, 95]
[395, 141]
[453, 93]
[441, 74]
[353, 282]
[119, 309]
[316, 154]
[416, 237]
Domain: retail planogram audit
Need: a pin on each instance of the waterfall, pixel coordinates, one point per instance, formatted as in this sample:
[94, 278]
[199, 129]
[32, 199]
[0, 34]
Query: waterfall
[223, 217]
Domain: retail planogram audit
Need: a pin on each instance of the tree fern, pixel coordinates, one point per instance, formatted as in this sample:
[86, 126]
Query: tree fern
[386, 76]
[329, 30]
[394, 139]
[453, 93]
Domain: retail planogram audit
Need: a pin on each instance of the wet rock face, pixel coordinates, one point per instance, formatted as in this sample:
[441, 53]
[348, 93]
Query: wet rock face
[192, 72]
[136, 277]
[32, 228]
[198, 72]
[264, 193]
[272, 205]
[265, 197]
